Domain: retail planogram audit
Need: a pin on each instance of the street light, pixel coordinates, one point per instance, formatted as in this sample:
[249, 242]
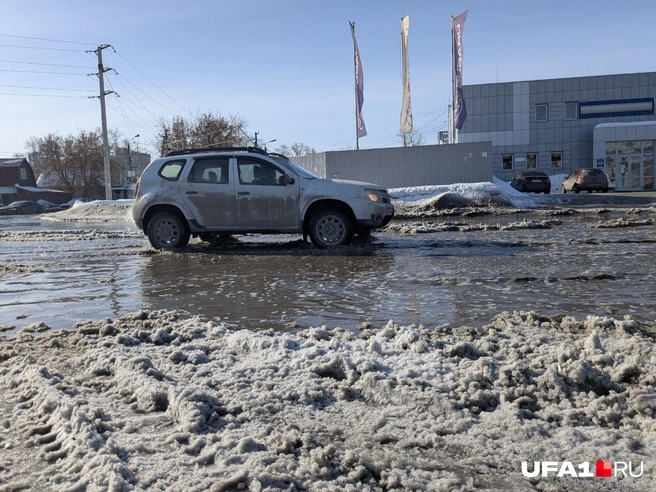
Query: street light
[131, 173]
[268, 142]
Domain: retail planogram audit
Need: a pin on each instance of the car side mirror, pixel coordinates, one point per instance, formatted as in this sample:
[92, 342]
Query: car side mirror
[286, 179]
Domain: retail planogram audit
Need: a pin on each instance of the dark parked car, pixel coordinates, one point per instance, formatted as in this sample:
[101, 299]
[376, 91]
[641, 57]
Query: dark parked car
[22, 207]
[531, 181]
[586, 179]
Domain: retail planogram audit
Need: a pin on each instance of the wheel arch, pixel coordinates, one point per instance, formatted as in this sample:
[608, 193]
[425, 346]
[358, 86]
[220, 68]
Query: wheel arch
[325, 205]
[155, 209]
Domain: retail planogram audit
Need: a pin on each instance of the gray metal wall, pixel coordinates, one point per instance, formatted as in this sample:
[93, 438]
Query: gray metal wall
[407, 166]
[504, 113]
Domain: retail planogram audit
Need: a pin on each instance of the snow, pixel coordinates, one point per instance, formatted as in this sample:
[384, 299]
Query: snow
[163, 400]
[159, 400]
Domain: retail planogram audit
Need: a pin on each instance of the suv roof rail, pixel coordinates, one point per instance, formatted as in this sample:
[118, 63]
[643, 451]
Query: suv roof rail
[276, 154]
[217, 149]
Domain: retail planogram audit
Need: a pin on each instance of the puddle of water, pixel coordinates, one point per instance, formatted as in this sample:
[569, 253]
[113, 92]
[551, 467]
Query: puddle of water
[449, 277]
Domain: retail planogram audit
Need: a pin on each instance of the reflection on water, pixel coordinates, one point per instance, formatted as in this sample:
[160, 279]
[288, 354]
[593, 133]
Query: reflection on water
[449, 277]
[269, 290]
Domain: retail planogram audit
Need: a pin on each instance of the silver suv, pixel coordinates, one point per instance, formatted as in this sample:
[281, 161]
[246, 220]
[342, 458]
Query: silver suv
[215, 192]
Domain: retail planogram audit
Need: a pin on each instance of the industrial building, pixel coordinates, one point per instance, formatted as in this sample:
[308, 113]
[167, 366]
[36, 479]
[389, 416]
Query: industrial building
[558, 125]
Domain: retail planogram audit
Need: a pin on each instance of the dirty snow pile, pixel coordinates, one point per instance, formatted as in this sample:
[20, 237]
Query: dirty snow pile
[96, 211]
[418, 200]
[164, 401]
[67, 235]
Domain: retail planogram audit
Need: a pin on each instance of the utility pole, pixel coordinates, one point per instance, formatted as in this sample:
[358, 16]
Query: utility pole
[103, 116]
[165, 142]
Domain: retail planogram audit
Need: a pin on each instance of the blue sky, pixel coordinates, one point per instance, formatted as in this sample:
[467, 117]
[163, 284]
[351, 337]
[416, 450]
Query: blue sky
[286, 66]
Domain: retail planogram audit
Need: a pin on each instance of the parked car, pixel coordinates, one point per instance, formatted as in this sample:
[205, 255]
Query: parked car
[531, 181]
[22, 207]
[49, 206]
[71, 203]
[586, 179]
[215, 192]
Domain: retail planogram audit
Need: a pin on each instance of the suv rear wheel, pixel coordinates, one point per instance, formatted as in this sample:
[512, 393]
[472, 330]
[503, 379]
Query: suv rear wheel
[166, 231]
[330, 228]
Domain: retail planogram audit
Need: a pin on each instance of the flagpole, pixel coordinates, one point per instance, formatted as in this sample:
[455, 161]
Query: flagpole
[402, 80]
[357, 109]
[451, 106]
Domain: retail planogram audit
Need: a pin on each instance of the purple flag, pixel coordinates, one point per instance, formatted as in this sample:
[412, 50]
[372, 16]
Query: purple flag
[359, 86]
[459, 108]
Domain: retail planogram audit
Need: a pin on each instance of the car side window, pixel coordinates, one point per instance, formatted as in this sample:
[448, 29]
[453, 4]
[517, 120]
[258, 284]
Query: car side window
[210, 170]
[170, 171]
[258, 172]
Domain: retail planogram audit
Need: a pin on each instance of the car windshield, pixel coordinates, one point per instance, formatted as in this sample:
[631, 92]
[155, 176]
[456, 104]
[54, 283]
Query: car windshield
[296, 168]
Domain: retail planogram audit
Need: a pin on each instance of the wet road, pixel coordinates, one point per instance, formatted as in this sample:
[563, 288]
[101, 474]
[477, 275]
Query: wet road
[459, 275]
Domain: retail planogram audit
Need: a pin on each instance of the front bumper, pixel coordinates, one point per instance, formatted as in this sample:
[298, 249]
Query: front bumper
[377, 219]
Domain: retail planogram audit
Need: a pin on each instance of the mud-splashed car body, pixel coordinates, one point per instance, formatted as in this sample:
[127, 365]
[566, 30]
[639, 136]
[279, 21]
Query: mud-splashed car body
[216, 192]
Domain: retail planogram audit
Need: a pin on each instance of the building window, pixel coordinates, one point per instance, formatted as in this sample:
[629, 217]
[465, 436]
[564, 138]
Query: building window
[541, 112]
[23, 174]
[531, 161]
[571, 111]
[507, 160]
[556, 160]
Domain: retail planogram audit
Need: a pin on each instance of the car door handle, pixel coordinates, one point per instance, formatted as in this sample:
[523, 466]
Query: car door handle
[242, 193]
[192, 193]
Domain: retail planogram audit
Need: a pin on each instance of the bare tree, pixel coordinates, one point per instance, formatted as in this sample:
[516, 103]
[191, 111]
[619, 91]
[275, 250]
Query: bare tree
[296, 149]
[73, 163]
[413, 139]
[205, 129]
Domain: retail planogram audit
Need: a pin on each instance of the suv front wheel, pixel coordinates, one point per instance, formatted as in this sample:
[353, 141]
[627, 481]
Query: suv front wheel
[166, 231]
[330, 228]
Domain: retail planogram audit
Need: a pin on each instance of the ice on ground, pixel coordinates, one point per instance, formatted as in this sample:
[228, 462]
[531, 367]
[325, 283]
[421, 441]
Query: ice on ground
[162, 401]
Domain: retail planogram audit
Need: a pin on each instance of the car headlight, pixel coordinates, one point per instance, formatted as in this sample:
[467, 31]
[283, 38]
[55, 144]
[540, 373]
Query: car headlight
[374, 195]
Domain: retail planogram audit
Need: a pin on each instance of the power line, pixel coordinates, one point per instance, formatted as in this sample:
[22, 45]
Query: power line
[131, 121]
[36, 71]
[137, 115]
[151, 82]
[145, 94]
[40, 95]
[38, 48]
[120, 105]
[46, 64]
[46, 39]
[44, 88]
[139, 103]
[387, 128]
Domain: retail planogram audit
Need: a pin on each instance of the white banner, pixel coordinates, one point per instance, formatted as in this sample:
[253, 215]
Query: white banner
[406, 108]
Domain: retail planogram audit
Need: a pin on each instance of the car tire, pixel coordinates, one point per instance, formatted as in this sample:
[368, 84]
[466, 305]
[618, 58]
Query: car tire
[576, 189]
[39, 210]
[330, 228]
[547, 192]
[562, 188]
[19, 211]
[167, 231]
[605, 190]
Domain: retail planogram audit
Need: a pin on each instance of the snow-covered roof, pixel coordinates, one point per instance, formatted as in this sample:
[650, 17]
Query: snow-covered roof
[34, 188]
[14, 162]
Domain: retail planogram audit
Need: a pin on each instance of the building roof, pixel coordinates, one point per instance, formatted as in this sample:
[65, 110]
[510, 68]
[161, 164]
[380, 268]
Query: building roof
[630, 123]
[562, 78]
[13, 162]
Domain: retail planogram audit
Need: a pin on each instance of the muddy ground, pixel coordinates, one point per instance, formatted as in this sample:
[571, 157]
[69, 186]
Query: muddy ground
[170, 400]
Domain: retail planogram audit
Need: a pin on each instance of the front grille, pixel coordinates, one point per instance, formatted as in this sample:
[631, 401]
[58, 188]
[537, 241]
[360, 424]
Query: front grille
[385, 196]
